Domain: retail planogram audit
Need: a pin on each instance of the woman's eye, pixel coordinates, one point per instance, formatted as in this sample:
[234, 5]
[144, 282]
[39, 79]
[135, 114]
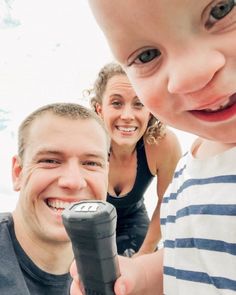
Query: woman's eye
[222, 9]
[147, 56]
[139, 105]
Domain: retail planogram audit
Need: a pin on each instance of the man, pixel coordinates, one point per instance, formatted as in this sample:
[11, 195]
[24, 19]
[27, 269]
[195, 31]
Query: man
[57, 164]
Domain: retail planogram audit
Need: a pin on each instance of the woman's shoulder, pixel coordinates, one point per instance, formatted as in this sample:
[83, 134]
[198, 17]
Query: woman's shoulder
[170, 136]
[166, 152]
[169, 142]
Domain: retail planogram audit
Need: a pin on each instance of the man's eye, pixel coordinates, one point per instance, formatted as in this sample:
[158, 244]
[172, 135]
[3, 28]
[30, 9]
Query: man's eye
[49, 161]
[148, 56]
[92, 163]
[222, 9]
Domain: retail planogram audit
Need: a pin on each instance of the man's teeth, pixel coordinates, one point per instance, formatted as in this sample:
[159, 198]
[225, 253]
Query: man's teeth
[126, 129]
[57, 204]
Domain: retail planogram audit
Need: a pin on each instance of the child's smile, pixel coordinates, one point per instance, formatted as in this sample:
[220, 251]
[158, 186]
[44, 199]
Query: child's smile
[220, 111]
[181, 62]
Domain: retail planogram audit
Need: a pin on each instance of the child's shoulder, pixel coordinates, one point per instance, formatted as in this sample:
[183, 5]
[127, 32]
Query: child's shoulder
[204, 149]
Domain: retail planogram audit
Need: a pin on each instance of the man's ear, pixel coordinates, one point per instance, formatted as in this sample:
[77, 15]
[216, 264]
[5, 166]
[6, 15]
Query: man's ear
[98, 109]
[16, 172]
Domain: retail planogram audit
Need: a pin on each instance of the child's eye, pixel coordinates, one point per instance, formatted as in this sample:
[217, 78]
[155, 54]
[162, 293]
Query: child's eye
[219, 11]
[222, 9]
[147, 56]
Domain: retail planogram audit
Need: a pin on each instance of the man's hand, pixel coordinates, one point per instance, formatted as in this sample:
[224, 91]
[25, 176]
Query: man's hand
[76, 287]
[123, 285]
[136, 277]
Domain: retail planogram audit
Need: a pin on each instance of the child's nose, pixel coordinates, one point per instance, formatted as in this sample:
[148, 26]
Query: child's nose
[193, 70]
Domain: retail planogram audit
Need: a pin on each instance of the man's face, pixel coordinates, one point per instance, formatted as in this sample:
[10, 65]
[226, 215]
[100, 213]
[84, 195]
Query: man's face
[64, 161]
[180, 57]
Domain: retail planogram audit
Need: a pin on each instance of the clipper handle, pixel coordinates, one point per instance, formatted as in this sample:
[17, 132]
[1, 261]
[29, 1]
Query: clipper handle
[91, 227]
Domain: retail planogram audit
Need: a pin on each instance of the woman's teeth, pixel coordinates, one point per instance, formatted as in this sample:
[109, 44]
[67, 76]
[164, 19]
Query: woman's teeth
[126, 129]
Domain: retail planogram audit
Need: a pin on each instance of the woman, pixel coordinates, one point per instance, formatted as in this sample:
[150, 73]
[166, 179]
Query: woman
[141, 148]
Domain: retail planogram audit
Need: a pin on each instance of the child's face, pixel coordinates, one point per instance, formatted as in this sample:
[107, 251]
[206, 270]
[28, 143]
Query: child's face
[180, 56]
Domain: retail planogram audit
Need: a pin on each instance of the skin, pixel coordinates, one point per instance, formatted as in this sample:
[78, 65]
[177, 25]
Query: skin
[148, 282]
[181, 61]
[56, 169]
[189, 67]
[122, 109]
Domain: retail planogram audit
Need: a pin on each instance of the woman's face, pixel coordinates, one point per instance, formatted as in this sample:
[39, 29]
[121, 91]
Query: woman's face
[125, 117]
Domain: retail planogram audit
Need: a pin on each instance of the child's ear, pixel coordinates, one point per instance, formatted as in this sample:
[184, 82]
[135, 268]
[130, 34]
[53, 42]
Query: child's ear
[16, 172]
[98, 109]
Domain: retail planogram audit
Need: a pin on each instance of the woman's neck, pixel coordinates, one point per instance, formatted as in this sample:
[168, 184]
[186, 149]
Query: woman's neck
[122, 152]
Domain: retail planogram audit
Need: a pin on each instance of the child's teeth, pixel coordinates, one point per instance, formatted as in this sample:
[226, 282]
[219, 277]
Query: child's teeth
[222, 106]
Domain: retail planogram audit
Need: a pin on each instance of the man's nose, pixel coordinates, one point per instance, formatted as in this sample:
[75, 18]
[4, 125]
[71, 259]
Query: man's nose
[72, 177]
[193, 70]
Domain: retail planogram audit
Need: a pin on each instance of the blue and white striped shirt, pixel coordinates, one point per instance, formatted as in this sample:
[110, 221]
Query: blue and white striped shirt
[198, 218]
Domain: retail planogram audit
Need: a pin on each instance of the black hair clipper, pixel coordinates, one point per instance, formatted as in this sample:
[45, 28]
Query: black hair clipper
[91, 226]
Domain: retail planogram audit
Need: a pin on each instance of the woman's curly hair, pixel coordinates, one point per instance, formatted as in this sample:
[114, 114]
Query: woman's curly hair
[155, 129]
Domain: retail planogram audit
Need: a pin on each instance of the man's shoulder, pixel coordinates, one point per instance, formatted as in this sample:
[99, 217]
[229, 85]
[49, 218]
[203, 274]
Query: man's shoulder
[6, 223]
[11, 279]
[5, 218]
[5, 226]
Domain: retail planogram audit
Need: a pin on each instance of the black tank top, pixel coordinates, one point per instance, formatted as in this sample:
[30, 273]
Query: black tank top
[133, 201]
